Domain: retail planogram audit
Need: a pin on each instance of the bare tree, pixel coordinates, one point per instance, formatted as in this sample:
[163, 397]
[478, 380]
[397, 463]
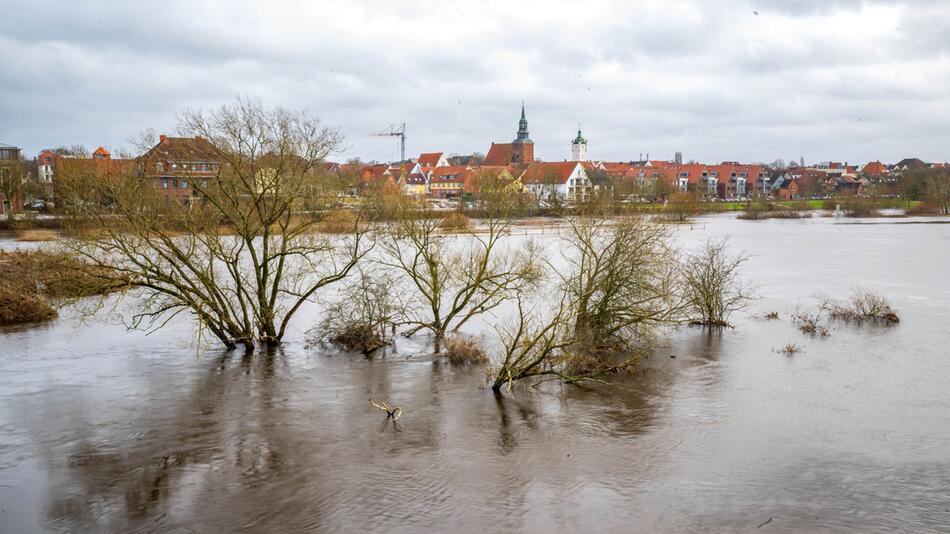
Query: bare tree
[938, 190]
[713, 290]
[622, 281]
[13, 183]
[534, 347]
[240, 257]
[455, 277]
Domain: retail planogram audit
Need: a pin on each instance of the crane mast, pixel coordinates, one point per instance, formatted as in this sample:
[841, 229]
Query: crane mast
[396, 131]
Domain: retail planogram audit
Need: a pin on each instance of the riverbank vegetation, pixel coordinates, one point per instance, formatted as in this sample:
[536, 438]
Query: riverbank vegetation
[34, 283]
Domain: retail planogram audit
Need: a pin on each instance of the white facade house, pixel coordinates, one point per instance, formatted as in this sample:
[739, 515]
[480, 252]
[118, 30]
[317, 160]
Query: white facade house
[557, 181]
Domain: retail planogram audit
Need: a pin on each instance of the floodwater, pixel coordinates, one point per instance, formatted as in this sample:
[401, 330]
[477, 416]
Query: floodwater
[104, 430]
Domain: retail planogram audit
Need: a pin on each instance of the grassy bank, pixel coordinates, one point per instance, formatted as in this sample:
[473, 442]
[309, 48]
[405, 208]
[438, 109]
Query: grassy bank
[34, 283]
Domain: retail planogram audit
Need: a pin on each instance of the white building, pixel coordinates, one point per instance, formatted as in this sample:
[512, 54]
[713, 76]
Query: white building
[566, 180]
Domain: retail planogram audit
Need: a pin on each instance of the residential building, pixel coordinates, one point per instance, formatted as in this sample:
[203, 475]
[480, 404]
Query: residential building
[181, 166]
[412, 179]
[494, 180]
[433, 159]
[451, 181]
[45, 165]
[550, 181]
[783, 187]
[727, 180]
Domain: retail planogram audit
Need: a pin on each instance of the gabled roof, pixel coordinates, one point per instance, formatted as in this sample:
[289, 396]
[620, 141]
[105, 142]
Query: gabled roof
[548, 172]
[101, 152]
[450, 174]
[911, 163]
[189, 149]
[430, 159]
[499, 154]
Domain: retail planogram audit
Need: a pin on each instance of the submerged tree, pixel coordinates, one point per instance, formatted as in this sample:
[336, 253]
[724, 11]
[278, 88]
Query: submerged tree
[459, 276]
[236, 249]
[534, 347]
[712, 288]
[618, 288]
[621, 280]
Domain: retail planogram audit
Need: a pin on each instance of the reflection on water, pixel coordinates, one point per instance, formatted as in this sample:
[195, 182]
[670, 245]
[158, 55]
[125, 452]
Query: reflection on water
[111, 431]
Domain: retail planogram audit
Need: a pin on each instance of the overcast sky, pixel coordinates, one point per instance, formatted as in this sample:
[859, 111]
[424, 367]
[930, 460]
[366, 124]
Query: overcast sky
[749, 80]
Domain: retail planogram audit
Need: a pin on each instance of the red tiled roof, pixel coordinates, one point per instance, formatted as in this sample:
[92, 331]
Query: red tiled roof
[186, 149]
[541, 172]
[430, 159]
[499, 154]
[452, 173]
[874, 168]
[101, 151]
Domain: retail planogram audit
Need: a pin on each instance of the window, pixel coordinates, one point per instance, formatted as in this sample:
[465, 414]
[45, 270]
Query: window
[714, 174]
[684, 175]
[174, 166]
[184, 184]
[743, 174]
[159, 166]
[204, 184]
[164, 184]
[175, 184]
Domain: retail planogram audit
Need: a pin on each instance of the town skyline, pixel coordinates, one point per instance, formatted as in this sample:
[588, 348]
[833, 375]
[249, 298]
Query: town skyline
[850, 81]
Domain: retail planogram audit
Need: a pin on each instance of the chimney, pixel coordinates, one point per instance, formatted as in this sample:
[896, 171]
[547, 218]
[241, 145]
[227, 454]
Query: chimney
[162, 138]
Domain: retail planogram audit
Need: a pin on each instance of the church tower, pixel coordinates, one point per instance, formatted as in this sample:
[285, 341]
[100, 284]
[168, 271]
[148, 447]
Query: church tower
[522, 148]
[579, 147]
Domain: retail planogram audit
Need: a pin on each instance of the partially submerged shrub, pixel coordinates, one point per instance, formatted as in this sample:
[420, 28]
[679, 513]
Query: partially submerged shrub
[359, 337]
[924, 208]
[18, 305]
[789, 349]
[713, 290]
[756, 215]
[811, 324]
[683, 206]
[455, 221]
[33, 280]
[463, 350]
[853, 206]
[861, 306]
[362, 319]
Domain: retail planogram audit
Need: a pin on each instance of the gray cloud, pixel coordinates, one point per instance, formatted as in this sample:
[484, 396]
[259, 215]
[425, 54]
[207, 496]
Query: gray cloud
[734, 79]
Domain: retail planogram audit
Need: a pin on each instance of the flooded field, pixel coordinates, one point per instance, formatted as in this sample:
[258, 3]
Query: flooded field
[105, 430]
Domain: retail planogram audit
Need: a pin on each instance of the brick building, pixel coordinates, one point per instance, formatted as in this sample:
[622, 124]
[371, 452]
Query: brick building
[181, 166]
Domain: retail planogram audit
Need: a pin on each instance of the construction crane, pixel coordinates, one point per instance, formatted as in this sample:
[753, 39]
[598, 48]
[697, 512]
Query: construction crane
[396, 131]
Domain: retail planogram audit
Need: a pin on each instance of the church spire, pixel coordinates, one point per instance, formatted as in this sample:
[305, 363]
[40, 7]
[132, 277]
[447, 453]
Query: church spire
[522, 127]
[579, 140]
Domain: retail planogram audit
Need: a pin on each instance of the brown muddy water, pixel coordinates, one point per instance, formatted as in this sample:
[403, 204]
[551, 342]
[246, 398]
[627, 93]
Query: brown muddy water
[104, 430]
